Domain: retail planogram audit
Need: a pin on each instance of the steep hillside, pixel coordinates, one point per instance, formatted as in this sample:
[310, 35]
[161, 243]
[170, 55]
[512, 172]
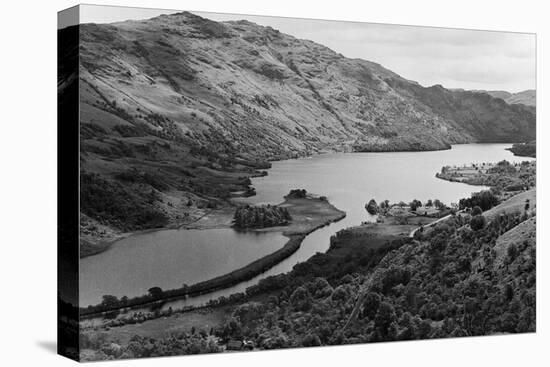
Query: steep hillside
[516, 204]
[486, 118]
[452, 281]
[178, 112]
[272, 94]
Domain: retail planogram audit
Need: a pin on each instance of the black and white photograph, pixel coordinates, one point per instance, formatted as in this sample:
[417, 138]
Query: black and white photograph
[251, 183]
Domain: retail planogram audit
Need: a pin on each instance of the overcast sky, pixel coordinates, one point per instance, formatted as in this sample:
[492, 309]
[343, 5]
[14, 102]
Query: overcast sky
[454, 58]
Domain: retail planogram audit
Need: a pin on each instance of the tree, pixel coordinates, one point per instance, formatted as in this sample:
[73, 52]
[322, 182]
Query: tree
[526, 321]
[108, 300]
[296, 194]
[477, 222]
[232, 330]
[508, 292]
[429, 203]
[437, 203]
[415, 204]
[371, 207]
[311, 340]
[384, 319]
[300, 299]
[512, 252]
[527, 204]
[476, 211]
[155, 292]
[370, 305]
[484, 199]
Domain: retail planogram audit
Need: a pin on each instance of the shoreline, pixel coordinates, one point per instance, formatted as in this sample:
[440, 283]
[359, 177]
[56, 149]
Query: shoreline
[105, 245]
[244, 273]
[503, 176]
[523, 155]
[299, 228]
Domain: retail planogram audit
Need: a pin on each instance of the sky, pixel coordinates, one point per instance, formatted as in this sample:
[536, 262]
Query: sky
[454, 58]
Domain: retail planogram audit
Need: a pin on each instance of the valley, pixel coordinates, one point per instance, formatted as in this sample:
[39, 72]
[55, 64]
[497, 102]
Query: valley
[244, 189]
[163, 142]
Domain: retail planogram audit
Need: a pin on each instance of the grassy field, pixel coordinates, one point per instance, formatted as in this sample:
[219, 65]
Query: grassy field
[372, 236]
[166, 326]
[517, 236]
[514, 204]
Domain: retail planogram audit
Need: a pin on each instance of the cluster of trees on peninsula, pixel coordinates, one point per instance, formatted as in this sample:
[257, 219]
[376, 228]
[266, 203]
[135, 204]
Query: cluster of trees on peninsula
[296, 194]
[503, 176]
[261, 216]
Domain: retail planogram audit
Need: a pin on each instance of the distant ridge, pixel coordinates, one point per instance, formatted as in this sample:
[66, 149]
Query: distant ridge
[526, 97]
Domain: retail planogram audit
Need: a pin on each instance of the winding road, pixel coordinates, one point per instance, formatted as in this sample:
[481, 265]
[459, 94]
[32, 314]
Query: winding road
[433, 223]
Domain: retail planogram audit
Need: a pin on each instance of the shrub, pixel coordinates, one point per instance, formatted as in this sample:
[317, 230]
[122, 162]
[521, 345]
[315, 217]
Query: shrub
[415, 204]
[484, 199]
[111, 203]
[372, 207]
[512, 252]
[300, 299]
[476, 211]
[296, 194]
[311, 340]
[478, 222]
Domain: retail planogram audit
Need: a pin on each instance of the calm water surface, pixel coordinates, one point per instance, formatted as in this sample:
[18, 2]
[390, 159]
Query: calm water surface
[169, 258]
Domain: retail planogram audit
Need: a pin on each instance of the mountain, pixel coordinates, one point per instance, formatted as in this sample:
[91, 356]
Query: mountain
[179, 111]
[271, 93]
[526, 97]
